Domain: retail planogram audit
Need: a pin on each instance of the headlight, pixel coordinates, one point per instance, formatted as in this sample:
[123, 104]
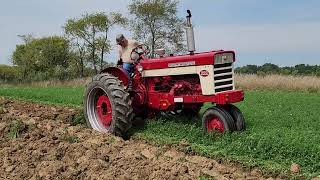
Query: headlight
[223, 58]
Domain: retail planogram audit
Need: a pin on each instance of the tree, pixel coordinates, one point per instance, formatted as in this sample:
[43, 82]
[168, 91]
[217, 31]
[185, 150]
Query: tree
[73, 29]
[103, 44]
[27, 38]
[89, 35]
[19, 58]
[155, 23]
[248, 69]
[9, 73]
[269, 68]
[42, 55]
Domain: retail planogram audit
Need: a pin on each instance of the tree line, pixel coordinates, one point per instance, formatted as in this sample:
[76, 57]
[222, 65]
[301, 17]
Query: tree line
[268, 68]
[81, 50]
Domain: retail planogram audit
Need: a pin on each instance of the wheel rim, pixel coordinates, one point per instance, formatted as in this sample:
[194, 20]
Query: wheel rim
[215, 124]
[99, 110]
[104, 110]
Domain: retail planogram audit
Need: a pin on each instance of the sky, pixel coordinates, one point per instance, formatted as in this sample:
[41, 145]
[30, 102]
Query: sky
[285, 32]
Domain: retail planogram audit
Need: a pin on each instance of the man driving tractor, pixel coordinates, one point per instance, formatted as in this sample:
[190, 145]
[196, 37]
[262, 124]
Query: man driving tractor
[125, 48]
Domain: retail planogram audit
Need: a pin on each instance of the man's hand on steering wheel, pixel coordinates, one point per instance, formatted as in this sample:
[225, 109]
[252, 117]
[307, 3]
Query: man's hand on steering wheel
[138, 51]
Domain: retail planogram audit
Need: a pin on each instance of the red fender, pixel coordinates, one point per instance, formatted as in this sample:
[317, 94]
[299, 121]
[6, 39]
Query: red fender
[117, 72]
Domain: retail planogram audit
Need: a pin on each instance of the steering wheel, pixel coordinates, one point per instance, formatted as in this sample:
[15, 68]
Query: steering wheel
[138, 52]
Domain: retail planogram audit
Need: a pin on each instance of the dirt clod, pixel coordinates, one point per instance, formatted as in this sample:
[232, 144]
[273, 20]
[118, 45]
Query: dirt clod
[146, 153]
[295, 168]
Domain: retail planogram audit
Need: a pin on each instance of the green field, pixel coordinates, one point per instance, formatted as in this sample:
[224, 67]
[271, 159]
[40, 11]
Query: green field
[282, 128]
[69, 96]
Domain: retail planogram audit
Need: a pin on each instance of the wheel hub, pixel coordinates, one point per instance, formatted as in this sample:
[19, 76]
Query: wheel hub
[104, 110]
[215, 124]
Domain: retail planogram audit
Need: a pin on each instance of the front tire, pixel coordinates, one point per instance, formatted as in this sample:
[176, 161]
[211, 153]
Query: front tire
[217, 119]
[107, 106]
[237, 116]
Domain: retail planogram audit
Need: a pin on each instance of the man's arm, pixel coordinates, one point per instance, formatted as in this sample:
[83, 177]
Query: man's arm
[119, 62]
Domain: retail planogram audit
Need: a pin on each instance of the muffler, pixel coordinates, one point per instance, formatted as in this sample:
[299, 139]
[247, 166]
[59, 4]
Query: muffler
[190, 34]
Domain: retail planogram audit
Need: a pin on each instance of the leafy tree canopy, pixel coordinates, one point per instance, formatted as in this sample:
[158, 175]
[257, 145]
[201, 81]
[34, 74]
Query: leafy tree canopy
[89, 35]
[41, 55]
[155, 23]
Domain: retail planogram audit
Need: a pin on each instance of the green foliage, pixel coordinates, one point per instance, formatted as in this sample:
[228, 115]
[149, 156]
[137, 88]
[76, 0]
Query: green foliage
[16, 128]
[282, 128]
[78, 119]
[205, 177]
[55, 57]
[72, 139]
[89, 36]
[9, 73]
[268, 68]
[43, 58]
[157, 25]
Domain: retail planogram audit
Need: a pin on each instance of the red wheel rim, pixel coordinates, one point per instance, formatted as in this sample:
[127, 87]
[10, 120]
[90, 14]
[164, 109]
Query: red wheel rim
[104, 110]
[215, 124]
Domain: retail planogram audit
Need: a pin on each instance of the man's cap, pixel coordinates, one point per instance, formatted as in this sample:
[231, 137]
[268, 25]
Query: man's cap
[119, 38]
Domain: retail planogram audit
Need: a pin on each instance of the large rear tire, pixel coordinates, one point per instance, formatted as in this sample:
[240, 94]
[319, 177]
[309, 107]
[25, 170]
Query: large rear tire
[107, 106]
[217, 119]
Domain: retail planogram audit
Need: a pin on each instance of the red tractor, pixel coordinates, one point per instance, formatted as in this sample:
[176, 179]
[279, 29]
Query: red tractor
[169, 84]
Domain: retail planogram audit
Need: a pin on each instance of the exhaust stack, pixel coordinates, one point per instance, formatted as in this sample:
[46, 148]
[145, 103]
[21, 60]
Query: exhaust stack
[190, 34]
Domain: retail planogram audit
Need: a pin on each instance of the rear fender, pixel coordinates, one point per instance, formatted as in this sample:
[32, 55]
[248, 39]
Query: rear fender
[117, 72]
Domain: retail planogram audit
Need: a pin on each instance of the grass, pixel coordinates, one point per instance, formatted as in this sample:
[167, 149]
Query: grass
[69, 96]
[282, 128]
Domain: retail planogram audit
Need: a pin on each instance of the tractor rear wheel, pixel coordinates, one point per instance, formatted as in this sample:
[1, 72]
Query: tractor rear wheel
[236, 115]
[217, 119]
[107, 106]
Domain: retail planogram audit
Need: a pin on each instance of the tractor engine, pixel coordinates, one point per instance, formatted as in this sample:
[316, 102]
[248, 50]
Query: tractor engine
[187, 78]
[178, 85]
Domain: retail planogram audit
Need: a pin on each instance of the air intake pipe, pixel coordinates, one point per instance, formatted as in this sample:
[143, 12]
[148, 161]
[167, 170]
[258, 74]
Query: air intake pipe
[190, 34]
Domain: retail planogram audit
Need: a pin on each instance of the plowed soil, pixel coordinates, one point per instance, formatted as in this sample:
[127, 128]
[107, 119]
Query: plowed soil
[38, 142]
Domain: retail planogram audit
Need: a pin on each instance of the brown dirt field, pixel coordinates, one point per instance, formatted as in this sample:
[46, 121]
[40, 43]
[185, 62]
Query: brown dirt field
[48, 147]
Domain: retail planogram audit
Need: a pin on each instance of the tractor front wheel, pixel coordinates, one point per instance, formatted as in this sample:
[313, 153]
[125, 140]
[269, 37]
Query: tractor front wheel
[236, 115]
[107, 106]
[217, 119]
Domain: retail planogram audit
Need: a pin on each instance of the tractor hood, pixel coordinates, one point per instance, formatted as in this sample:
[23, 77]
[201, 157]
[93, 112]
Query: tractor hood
[197, 59]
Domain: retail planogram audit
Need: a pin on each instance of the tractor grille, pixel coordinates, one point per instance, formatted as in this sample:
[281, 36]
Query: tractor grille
[223, 77]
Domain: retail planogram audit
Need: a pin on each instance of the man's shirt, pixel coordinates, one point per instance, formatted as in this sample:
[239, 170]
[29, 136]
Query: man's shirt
[125, 52]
